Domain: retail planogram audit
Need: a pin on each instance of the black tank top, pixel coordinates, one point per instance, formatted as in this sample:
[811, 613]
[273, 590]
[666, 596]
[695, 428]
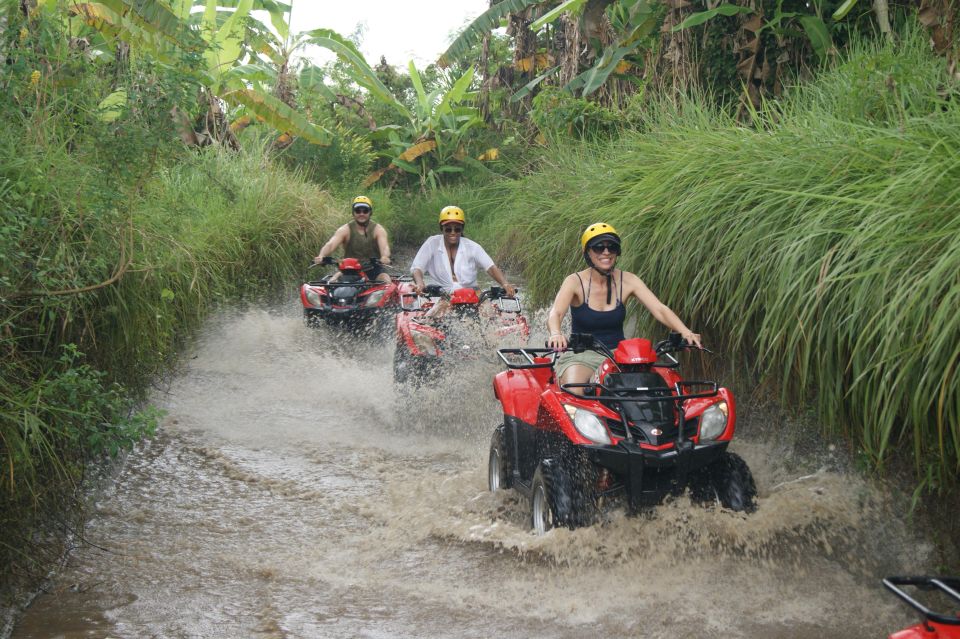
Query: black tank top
[359, 245]
[605, 326]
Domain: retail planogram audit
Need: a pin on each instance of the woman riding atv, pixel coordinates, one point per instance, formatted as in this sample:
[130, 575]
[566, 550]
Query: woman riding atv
[596, 297]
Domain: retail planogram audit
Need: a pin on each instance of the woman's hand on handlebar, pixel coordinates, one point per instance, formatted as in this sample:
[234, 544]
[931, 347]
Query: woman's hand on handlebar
[557, 341]
[691, 338]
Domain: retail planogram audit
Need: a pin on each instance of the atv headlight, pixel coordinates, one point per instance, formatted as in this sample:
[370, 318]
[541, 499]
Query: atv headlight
[374, 298]
[423, 342]
[713, 421]
[313, 297]
[588, 424]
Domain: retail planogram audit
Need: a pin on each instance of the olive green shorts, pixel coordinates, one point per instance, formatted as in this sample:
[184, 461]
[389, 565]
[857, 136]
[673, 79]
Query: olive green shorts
[590, 359]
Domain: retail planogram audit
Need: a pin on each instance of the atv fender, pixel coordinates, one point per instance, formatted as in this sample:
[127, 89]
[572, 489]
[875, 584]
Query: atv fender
[519, 393]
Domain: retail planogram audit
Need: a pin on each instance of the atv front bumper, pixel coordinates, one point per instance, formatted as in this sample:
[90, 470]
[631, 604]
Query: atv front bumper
[649, 475]
[342, 315]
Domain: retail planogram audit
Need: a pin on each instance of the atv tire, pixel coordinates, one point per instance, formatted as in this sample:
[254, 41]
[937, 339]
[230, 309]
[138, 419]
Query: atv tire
[499, 469]
[402, 366]
[411, 369]
[542, 519]
[565, 496]
[729, 481]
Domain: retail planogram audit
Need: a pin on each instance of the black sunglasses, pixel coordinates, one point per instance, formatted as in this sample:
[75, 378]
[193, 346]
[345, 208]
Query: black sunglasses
[606, 246]
[453, 228]
[361, 209]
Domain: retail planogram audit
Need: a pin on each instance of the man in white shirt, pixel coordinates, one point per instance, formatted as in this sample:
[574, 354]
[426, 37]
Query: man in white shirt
[453, 260]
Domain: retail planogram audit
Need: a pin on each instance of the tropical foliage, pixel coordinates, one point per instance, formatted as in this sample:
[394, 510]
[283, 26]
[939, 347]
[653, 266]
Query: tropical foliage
[784, 180]
[822, 245]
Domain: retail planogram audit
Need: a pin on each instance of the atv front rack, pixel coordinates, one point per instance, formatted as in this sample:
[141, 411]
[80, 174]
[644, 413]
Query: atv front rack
[339, 283]
[949, 586]
[616, 394]
[528, 357]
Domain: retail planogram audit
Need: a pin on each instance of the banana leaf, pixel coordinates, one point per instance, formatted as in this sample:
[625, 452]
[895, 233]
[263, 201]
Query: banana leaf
[484, 24]
[279, 115]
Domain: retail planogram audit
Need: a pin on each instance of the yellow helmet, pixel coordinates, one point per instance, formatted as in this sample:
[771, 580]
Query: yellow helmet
[362, 200]
[452, 214]
[593, 233]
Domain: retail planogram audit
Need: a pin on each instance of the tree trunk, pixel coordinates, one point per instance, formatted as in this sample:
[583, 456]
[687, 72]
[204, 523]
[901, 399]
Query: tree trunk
[881, 10]
[569, 56]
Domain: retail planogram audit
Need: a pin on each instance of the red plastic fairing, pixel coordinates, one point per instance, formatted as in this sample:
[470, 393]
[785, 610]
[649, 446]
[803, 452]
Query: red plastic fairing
[303, 294]
[519, 393]
[404, 332]
[556, 408]
[553, 418]
[635, 351]
[350, 264]
[936, 631]
[695, 407]
[389, 295]
[464, 296]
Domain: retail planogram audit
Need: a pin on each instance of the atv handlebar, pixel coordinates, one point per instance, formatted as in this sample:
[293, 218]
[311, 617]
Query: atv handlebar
[365, 264]
[579, 342]
[674, 342]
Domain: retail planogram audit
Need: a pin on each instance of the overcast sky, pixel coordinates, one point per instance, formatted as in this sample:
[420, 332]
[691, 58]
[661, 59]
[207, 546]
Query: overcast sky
[402, 31]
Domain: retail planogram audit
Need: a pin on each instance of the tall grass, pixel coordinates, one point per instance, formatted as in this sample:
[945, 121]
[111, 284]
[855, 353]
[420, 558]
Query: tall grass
[110, 253]
[824, 241]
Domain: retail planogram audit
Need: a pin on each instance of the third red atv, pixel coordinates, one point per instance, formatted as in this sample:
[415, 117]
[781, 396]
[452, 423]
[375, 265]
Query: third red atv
[637, 433]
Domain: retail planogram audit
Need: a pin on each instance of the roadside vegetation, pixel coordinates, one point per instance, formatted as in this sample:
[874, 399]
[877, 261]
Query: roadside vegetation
[823, 241]
[785, 176]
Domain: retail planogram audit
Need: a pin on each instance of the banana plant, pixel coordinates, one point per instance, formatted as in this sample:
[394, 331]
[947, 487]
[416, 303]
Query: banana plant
[814, 27]
[632, 20]
[218, 36]
[429, 142]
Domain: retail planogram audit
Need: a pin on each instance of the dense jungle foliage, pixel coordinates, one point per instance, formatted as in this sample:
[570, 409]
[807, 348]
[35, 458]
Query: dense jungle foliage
[787, 177]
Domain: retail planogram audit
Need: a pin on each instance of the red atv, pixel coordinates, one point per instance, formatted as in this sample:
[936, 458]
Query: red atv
[935, 625]
[435, 328]
[637, 433]
[349, 298]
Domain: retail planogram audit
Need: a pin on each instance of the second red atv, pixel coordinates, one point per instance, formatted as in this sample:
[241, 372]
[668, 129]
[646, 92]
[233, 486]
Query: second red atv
[349, 298]
[636, 434]
[435, 330]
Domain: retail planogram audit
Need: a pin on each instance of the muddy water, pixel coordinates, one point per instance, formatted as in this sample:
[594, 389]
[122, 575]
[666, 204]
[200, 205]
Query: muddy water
[289, 495]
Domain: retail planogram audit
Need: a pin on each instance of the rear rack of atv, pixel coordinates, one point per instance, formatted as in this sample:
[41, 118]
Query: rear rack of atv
[948, 586]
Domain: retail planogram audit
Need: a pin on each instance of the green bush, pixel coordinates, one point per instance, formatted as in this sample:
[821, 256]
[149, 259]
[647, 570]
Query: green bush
[556, 111]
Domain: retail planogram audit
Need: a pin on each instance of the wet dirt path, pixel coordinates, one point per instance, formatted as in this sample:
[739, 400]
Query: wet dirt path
[286, 497]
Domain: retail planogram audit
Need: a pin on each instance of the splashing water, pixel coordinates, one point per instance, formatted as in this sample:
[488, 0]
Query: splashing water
[294, 492]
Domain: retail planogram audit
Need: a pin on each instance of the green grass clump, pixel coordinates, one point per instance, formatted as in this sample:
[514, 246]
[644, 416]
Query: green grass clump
[115, 241]
[823, 242]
